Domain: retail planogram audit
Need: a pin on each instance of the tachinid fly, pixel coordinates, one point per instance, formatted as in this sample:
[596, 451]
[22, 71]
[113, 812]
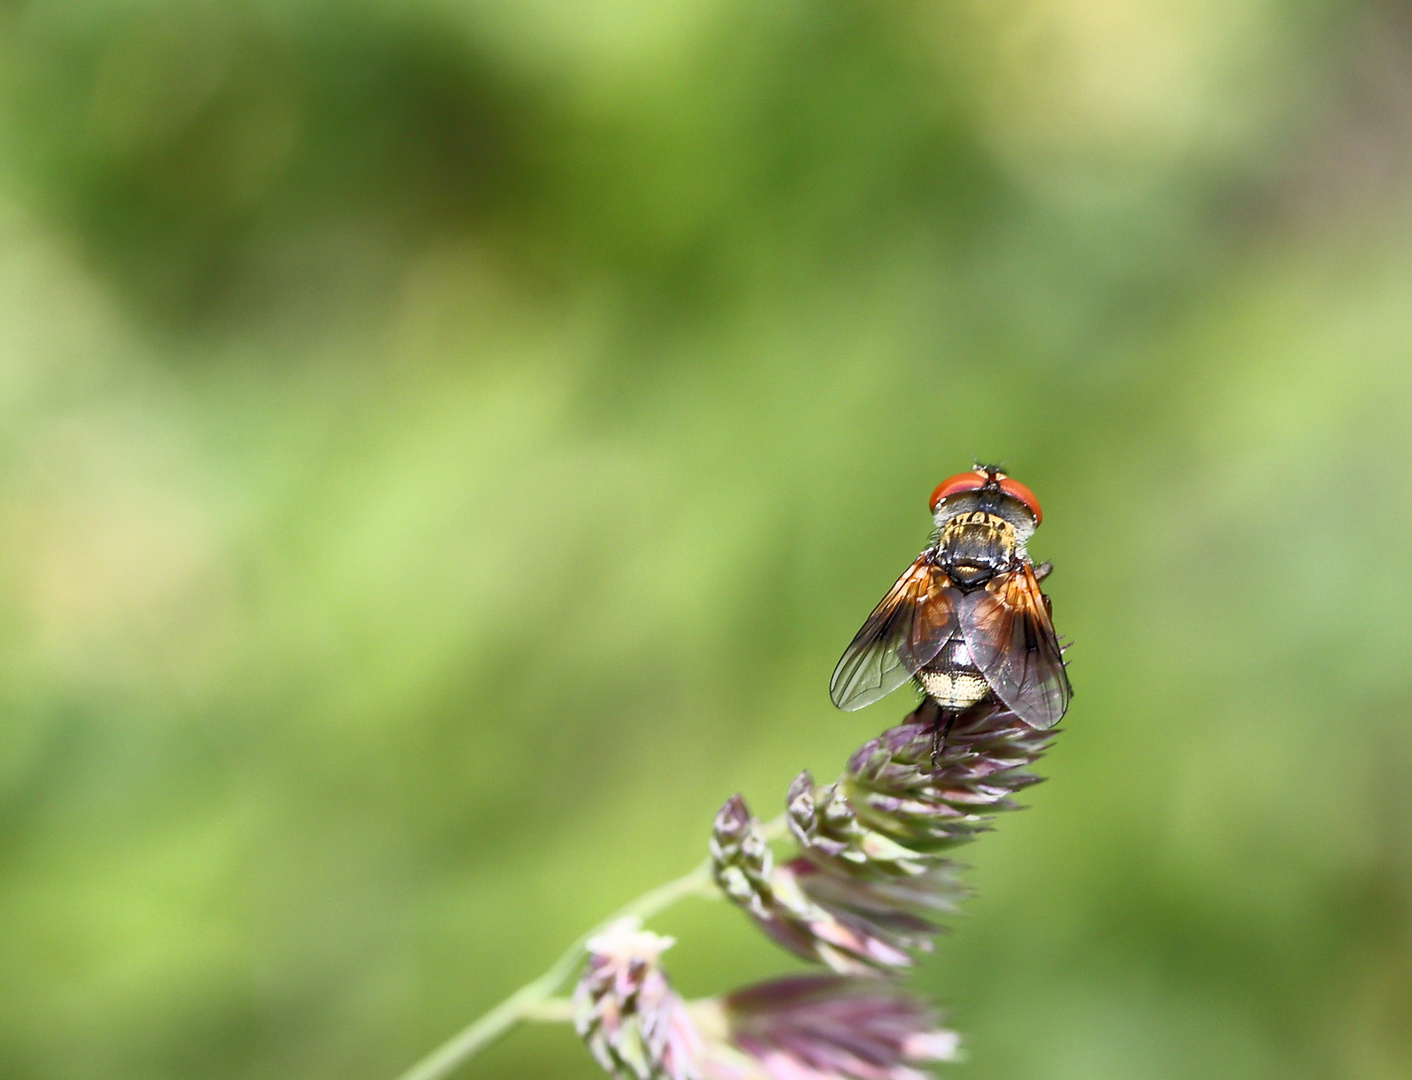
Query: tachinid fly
[967, 618]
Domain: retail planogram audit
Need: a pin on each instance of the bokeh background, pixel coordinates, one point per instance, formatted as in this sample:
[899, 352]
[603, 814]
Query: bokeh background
[444, 447]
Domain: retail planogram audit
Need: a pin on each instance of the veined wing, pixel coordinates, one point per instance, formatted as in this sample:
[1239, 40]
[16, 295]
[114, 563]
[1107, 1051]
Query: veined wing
[1010, 635]
[905, 632]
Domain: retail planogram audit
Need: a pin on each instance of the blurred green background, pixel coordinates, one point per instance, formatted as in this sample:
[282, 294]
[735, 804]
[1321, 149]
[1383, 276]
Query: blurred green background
[444, 448]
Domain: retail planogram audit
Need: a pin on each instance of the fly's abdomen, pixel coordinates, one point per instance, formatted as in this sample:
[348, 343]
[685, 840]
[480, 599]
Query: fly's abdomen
[952, 680]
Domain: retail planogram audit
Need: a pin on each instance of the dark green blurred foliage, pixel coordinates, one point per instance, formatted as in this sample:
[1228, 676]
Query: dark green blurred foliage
[445, 448]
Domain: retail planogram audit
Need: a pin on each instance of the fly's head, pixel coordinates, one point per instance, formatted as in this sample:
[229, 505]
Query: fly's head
[983, 519]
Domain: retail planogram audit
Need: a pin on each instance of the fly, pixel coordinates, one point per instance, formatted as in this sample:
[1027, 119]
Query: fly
[967, 618]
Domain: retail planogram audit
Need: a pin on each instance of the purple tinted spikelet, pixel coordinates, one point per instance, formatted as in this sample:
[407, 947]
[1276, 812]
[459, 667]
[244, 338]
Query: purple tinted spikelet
[813, 1027]
[741, 862]
[871, 874]
[822, 1027]
[635, 1025]
[893, 789]
[853, 925]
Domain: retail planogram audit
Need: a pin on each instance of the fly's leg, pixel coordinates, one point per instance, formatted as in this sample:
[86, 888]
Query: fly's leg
[939, 733]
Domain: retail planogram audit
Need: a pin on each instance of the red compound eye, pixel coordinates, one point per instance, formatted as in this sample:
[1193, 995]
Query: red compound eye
[1017, 490]
[974, 481]
[955, 485]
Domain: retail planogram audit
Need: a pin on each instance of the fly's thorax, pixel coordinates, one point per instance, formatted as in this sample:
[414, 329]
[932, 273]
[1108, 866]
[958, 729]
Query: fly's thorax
[973, 546]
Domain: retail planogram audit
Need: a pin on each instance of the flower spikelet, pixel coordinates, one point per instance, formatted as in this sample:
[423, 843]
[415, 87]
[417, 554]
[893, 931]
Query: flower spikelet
[856, 924]
[741, 863]
[871, 874]
[635, 1025]
[894, 789]
[822, 1027]
[824, 824]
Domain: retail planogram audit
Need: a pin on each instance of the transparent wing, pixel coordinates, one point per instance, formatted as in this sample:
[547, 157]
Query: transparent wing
[1008, 630]
[905, 632]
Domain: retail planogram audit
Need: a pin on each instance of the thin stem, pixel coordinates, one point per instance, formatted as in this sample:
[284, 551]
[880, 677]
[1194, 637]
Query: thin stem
[533, 1000]
[553, 1010]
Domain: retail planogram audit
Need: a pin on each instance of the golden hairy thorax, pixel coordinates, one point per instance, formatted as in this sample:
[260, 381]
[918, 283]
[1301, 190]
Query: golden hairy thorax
[975, 546]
